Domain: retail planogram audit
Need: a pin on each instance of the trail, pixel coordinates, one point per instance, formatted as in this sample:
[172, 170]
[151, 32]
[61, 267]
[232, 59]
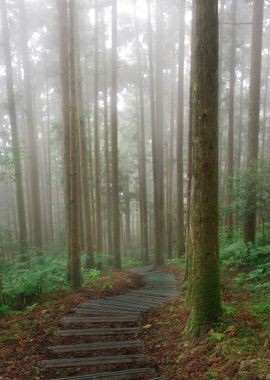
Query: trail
[101, 339]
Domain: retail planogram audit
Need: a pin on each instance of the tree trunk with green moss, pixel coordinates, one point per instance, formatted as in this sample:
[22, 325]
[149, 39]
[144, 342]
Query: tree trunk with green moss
[204, 245]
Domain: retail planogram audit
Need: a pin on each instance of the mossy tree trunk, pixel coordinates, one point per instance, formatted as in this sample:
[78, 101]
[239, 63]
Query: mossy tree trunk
[204, 245]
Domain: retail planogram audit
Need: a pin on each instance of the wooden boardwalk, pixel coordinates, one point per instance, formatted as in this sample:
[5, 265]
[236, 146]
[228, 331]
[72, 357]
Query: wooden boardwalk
[100, 339]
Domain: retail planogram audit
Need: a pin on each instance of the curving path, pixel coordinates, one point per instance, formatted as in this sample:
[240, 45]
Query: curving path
[100, 339]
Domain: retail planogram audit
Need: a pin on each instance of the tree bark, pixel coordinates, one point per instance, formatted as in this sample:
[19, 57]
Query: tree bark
[114, 127]
[205, 286]
[180, 245]
[97, 139]
[254, 118]
[15, 136]
[230, 151]
[142, 153]
[32, 134]
[75, 265]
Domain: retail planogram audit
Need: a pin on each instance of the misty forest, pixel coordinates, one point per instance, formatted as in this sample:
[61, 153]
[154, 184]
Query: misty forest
[135, 189]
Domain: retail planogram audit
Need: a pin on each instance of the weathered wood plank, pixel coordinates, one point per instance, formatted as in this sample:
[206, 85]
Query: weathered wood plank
[98, 320]
[98, 331]
[117, 375]
[97, 346]
[92, 361]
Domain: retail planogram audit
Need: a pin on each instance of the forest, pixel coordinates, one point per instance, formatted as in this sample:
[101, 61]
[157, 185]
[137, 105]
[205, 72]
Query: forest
[135, 189]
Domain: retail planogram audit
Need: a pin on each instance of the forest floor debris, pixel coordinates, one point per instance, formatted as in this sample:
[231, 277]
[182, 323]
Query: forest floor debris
[24, 337]
[237, 348]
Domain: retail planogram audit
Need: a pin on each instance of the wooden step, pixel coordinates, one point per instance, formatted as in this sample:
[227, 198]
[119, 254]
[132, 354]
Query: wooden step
[73, 319]
[117, 305]
[98, 332]
[92, 361]
[116, 375]
[103, 312]
[98, 346]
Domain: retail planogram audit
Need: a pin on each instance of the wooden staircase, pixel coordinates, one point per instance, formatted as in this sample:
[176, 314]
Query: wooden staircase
[100, 340]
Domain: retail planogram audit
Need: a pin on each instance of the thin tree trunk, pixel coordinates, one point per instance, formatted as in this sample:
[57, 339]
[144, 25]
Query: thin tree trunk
[230, 151]
[85, 191]
[15, 136]
[49, 180]
[32, 135]
[75, 264]
[180, 246]
[142, 154]
[97, 142]
[114, 126]
[159, 142]
[106, 147]
[254, 118]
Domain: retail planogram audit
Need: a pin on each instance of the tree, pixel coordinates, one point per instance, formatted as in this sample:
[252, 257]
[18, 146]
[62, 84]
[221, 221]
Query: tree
[114, 144]
[107, 144]
[254, 116]
[142, 152]
[32, 133]
[230, 151]
[180, 131]
[158, 135]
[62, 12]
[205, 286]
[97, 139]
[74, 246]
[14, 132]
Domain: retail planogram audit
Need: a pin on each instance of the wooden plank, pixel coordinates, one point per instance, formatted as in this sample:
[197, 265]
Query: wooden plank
[117, 305]
[75, 319]
[116, 375]
[97, 346]
[98, 332]
[103, 312]
[92, 361]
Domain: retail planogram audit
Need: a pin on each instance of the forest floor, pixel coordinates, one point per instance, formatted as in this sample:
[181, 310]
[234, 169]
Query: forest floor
[24, 337]
[237, 348]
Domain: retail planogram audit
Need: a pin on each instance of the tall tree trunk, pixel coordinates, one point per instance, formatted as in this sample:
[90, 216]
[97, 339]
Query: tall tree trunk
[153, 125]
[205, 293]
[179, 133]
[254, 118]
[49, 180]
[106, 146]
[159, 142]
[62, 10]
[97, 141]
[240, 122]
[142, 153]
[32, 134]
[127, 214]
[85, 191]
[230, 151]
[114, 126]
[170, 166]
[265, 106]
[15, 136]
[75, 265]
